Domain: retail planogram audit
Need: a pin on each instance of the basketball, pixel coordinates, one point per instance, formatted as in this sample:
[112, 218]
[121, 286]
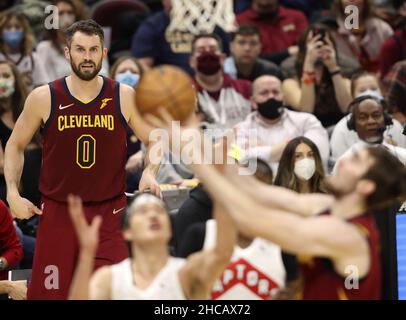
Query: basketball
[168, 87]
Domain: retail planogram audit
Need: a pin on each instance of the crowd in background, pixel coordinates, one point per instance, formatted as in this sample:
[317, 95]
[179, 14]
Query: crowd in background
[313, 90]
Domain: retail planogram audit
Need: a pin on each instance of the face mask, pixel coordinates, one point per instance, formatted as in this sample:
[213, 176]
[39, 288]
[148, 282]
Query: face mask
[128, 78]
[270, 109]
[305, 168]
[6, 88]
[13, 38]
[268, 12]
[208, 63]
[66, 20]
[369, 92]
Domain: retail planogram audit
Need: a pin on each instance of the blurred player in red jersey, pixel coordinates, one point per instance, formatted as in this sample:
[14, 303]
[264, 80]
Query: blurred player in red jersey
[335, 235]
[82, 118]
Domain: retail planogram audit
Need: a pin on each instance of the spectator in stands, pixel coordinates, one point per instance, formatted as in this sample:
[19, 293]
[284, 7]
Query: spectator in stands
[319, 86]
[223, 101]
[275, 125]
[51, 50]
[342, 138]
[17, 44]
[11, 251]
[365, 42]
[347, 64]
[300, 170]
[369, 120]
[128, 70]
[395, 82]
[280, 28]
[154, 46]
[393, 50]
[244, 63]
[13, 93]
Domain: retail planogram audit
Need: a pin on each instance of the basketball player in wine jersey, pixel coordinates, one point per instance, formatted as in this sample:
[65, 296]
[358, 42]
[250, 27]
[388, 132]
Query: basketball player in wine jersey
[151, 273]
[334, 235]
[82, 120]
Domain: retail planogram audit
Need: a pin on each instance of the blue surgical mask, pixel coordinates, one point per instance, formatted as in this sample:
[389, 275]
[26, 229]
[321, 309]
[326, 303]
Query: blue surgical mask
[13, 38]
[129, 78]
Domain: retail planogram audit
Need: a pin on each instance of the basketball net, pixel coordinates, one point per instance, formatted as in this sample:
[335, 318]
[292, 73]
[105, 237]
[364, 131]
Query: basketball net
[198, 16]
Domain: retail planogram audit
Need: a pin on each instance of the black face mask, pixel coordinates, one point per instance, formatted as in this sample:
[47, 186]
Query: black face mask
[269, 13]
[270, 109]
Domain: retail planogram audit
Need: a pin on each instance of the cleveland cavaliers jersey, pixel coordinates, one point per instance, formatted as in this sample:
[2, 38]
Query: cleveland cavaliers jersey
[321, 281]
[84, 145]
[254, 273]
[165, 286]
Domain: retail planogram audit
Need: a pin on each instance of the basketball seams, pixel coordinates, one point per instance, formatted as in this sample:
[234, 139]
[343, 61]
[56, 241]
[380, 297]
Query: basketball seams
[171, 93]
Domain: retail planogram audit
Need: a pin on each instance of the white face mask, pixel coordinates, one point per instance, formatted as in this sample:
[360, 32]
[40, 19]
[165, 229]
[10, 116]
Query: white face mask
[6, 88]
[305, 168]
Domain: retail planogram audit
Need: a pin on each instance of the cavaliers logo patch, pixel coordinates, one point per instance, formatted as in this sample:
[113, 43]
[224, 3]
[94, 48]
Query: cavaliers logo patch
[104, 102]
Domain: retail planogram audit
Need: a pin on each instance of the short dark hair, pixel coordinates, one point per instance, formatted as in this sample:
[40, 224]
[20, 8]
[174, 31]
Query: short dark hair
[207, 35]
[246, 30]
[389, 176]
[357, 101]
[88, 27]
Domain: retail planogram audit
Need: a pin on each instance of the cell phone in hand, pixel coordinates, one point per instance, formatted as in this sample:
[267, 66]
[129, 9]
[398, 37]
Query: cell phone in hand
[322, 32]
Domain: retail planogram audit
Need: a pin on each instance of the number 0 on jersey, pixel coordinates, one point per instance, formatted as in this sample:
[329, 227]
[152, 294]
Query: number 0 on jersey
[86, 151]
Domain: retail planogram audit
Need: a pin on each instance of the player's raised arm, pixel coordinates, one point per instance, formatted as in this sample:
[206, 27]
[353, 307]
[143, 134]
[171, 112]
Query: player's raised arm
[88, 237]
[36, 110]
[142, 130]
[203, 268]
[282, 198]
[325, 236]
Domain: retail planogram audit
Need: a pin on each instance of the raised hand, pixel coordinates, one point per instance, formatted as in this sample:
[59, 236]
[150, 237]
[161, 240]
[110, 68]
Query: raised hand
[88, 235]
[313, 51]
[329, 55]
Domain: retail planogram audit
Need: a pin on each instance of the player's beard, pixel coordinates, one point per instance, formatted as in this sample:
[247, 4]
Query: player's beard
[86, 76]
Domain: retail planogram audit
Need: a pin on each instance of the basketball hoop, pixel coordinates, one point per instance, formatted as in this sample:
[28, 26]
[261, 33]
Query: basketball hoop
[198, 16]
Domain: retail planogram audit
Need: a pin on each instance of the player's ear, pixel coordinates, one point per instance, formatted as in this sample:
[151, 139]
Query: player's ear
[365, 187]
[105, 51]
[254, 105]
[66, 51]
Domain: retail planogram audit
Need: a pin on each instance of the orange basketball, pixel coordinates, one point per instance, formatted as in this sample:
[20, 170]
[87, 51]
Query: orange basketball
[168, 87]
